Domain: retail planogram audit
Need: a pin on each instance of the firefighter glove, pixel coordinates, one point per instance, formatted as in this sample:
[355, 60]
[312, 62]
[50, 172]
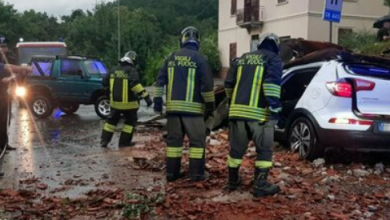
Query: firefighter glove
[148, 101]
[158, 104]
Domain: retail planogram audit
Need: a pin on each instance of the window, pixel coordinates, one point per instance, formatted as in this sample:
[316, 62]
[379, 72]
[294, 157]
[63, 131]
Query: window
[41, 68]
[343, 33]
[71, 68]
[95, 67]
[233, 10]
[282, 1]
[233, 51]
[284, 38]
[375, 71]
[254, 42]
[296, 83]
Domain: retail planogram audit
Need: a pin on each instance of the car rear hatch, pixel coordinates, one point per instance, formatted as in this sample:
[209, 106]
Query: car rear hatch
[370, 92]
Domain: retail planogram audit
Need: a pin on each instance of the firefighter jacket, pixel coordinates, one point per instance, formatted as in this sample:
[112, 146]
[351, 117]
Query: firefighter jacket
[189, 83]
[125, 87]
[253, 85]
[3, 87]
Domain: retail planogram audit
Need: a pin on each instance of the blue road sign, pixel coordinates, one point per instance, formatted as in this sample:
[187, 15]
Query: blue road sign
[333, 9]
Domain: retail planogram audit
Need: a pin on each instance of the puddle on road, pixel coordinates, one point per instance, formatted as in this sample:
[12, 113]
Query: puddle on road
[69, 160]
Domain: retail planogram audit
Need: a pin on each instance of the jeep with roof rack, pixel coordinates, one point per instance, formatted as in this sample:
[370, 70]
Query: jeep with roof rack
[66, 82]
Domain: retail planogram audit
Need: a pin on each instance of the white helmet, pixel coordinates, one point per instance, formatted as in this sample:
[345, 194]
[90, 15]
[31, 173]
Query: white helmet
[130, 57]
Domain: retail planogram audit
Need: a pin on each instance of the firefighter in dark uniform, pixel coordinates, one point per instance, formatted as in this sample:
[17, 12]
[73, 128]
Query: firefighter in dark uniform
[125, 92]
[189, 98]
[9, 56]
[253, 87]
[6, 57]
[8, 73]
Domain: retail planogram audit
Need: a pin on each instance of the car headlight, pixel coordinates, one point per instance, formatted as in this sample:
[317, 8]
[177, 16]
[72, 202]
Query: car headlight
[20, 92]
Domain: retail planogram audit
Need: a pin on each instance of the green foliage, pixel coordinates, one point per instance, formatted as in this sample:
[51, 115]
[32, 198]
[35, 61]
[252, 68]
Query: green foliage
[357, 40]
[364, 42]
[149, 27]
[155, 61]
[209, 48]
[387, 3]
[139, 205]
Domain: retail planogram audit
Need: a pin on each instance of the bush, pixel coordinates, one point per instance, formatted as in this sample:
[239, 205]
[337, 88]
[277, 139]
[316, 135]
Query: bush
[364, 42]
[155, 60]
[209, 48]
[355, 41]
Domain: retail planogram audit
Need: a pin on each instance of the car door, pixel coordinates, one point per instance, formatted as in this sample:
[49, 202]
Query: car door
[96, 70]
[72, 79]
[295, 84]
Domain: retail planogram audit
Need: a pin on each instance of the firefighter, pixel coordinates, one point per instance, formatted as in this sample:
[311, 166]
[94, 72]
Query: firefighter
[8, 73]
[6, 57]
[253, 89]
[189, 100]
[125, 92]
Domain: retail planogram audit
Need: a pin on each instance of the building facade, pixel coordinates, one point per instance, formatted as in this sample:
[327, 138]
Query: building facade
[242, 21]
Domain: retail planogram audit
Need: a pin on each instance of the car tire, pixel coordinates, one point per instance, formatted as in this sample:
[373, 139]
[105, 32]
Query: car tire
[41, 106]
[102, 107]
[302, 138]
[69, 108]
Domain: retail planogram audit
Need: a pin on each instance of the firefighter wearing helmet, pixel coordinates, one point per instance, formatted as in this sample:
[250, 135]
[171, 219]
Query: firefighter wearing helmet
[253, 89]
[187, 80]
[125, 91]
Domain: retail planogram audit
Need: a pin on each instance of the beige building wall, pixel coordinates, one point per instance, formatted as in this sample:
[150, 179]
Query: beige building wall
[358, 15]
[297, 18]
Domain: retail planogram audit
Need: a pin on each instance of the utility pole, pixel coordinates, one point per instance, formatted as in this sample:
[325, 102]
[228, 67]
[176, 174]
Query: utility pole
[119, 30]
[331, 31]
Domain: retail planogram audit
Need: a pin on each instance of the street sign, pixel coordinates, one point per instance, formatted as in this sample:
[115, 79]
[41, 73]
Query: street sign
[333, 9]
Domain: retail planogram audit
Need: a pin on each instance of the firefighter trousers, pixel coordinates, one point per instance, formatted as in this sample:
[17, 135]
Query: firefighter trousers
[241, 132]
[4, 121]
[128, 128]
[194, 127]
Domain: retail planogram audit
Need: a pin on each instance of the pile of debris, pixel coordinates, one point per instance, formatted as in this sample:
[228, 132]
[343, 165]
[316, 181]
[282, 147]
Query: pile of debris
[310, 190]
[314, 190]
[33, 204]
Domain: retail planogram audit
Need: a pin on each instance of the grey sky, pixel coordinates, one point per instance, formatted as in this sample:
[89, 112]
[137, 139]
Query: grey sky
[53, 7]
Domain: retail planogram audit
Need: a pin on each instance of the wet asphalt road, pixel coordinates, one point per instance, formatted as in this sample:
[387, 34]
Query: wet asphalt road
[63, 152]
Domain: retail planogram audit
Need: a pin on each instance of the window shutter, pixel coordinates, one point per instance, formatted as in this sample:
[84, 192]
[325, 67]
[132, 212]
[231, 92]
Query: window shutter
[233, 9]
[233, 51]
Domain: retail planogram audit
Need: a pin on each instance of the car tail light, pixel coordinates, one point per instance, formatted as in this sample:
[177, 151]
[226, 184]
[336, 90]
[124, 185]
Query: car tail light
[341, 89]
[364, 85]
[344, 89]
[347, 121]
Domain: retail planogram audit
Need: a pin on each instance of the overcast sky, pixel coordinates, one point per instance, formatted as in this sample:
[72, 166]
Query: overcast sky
[53, 7]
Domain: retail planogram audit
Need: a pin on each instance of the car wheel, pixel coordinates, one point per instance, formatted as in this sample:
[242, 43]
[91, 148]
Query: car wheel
[102, 107]
[303, 140]
[41, 106]
[69, 108]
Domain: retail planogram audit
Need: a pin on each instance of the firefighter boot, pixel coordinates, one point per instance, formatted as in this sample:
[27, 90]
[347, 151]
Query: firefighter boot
[106, 139]
[126, 137]
[261, 187]
[197, 170]
[234, 180]
[108, 132]
[173, 169]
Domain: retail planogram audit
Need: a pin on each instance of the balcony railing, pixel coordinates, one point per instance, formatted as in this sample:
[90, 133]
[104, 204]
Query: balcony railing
[250, 17]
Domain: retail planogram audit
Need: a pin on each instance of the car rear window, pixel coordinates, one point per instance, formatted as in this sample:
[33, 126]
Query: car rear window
[369, 70]
[95, 67]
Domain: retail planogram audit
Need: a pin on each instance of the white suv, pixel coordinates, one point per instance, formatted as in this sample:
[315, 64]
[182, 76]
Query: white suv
[335, 104]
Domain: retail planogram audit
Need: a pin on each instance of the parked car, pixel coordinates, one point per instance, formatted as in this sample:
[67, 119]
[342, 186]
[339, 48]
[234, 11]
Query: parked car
[335, 104]
[66, 82]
